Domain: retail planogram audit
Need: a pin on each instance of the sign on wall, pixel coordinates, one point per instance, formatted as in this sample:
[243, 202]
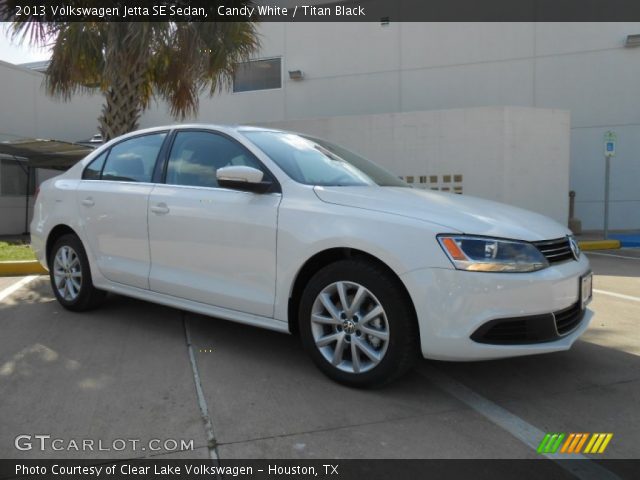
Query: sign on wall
[610, 139]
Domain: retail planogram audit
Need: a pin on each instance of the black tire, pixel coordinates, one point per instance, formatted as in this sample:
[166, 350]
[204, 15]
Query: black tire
[88, 296]
[403, 344]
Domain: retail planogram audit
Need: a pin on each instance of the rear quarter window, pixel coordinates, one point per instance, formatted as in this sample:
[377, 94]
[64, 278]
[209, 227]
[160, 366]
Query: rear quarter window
[94, 169]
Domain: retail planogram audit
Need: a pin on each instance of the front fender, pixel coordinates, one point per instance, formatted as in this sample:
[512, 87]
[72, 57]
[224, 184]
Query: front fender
[308, 228]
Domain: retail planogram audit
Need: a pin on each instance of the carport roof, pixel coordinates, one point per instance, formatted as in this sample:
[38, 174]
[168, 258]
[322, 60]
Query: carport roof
[40, 153]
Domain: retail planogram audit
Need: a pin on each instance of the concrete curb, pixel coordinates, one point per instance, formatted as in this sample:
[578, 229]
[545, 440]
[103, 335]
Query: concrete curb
[627, 240]
[599, 244]
[24, 267]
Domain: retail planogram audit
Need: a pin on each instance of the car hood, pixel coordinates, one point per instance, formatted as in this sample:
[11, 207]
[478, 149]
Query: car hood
[454, 213]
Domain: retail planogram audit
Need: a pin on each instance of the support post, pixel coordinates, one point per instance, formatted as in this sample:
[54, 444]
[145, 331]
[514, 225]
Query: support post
[606, 196]
[26, 207]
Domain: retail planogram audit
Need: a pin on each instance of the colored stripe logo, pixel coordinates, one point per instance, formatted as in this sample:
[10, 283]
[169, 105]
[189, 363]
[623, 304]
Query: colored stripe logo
[574, 443]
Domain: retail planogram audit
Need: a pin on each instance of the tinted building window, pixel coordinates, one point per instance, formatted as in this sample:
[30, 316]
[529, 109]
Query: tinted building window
[257, 75]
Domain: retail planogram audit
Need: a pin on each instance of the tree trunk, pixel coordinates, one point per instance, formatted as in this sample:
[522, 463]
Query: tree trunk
[125, 68]
[121, 111]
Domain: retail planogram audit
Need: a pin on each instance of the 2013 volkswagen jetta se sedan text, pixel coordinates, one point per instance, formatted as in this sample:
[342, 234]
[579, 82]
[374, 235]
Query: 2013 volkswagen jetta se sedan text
[292, 233]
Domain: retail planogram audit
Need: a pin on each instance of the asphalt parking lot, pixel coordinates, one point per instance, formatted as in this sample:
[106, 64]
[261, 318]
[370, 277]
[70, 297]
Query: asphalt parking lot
[126, 371]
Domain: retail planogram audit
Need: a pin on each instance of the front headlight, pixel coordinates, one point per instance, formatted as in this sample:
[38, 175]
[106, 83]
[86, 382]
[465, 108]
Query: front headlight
[478, 254]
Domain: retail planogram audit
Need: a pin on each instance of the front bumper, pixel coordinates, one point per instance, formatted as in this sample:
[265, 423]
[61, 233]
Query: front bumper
[452, 305]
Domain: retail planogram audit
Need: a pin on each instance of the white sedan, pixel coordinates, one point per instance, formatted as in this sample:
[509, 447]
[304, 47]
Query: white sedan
[292, 233]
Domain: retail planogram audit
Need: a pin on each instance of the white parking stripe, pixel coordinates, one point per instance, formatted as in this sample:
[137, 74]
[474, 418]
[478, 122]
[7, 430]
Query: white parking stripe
[516, 426]
[16, 286]
[612, 255]
[617, 295]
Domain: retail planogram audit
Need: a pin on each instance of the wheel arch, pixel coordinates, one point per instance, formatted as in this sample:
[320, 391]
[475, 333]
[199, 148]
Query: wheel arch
[55, 233]
[324, 258]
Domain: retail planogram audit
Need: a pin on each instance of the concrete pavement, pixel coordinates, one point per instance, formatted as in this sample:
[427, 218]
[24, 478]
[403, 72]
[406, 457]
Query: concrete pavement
[116, 373]
[123, 371]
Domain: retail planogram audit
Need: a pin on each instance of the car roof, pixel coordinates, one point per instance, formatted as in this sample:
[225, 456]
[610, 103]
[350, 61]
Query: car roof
[228, 127]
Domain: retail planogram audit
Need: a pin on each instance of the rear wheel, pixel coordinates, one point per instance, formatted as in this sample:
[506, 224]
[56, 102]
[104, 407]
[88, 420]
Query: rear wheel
[70, 275]
[357, 324]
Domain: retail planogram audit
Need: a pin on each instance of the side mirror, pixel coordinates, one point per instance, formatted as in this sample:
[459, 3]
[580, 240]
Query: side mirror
[240, 177]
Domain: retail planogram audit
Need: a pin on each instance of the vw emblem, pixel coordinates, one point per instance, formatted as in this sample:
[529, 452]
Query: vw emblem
[349, 327]
[575, 249]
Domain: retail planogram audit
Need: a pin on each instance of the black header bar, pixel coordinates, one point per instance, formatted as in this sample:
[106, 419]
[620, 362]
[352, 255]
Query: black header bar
[330, 469]
[383, 11]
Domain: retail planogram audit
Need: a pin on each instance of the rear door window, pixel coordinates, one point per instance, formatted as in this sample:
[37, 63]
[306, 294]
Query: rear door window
[133, 160]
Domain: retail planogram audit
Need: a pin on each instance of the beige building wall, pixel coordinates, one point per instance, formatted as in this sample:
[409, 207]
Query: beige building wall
[26, 111]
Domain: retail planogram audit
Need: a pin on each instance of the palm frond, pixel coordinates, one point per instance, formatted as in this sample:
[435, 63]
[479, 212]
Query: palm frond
[176, 62]
[77, 60]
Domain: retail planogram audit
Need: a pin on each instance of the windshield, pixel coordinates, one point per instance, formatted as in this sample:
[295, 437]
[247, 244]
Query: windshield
[317, 162]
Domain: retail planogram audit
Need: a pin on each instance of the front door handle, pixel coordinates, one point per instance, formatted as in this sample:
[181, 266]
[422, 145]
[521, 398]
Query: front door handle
[160, 208]
[88, 202]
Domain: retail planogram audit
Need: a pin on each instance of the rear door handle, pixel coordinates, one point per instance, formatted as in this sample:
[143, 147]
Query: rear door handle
[160, 209]
[88, 202]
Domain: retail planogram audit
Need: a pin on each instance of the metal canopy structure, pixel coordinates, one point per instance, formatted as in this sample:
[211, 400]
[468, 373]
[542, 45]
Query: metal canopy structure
[39, 153]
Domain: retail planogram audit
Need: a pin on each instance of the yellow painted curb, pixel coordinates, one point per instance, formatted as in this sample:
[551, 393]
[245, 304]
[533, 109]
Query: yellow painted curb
[24, 267]
[599, 244]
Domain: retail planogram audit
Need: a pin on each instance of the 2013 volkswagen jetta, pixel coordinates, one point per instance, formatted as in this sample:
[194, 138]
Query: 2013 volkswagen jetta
[295, 234]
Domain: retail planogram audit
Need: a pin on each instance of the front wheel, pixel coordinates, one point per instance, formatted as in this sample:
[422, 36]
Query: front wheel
[70, 275]
[357, 324]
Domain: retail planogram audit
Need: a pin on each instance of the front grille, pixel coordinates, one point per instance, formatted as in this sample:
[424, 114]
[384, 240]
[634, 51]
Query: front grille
[530, 329]
[569, 318]
[555, 251]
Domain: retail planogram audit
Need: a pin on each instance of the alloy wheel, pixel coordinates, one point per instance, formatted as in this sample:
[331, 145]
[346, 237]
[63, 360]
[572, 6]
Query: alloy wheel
[349, 327]
[67, 273]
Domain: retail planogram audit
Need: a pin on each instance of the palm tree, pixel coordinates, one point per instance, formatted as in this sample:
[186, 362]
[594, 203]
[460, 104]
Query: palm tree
[131, 63]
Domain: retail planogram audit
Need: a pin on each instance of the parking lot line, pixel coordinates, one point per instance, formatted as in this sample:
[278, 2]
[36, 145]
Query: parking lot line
[617, 295]
[202, 402]
[516, 426]
[16, 286]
